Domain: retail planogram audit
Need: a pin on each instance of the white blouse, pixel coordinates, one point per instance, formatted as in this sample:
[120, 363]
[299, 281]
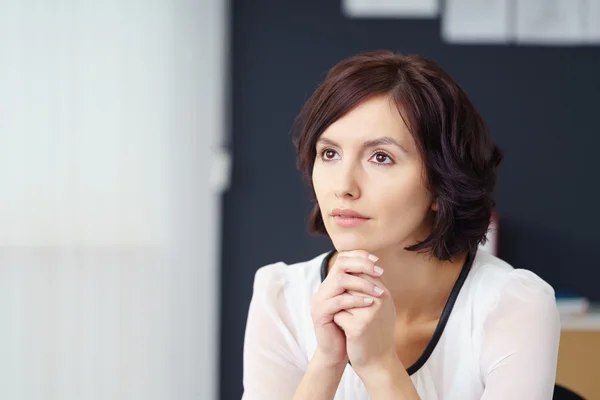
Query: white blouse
[497, 338]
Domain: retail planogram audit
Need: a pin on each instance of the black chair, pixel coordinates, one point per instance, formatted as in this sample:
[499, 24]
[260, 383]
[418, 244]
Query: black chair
[562, 393]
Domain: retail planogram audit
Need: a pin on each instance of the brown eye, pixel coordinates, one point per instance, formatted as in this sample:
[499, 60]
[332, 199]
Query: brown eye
[381, 158]
[329, 154]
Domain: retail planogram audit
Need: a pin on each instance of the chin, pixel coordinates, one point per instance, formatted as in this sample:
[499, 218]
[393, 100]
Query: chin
[351, 241]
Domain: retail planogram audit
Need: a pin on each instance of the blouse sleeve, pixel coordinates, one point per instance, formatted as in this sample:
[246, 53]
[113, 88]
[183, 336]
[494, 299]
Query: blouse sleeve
[520, 340]
[273, 360]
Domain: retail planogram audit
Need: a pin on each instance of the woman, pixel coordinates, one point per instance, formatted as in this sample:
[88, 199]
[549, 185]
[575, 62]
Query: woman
[406, 306]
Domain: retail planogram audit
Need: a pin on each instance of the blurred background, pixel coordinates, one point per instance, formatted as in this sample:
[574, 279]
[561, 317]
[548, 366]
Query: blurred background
[147, 171]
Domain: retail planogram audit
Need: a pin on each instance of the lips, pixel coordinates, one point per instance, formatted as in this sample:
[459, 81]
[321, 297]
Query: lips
[348, 219]
[347, 213]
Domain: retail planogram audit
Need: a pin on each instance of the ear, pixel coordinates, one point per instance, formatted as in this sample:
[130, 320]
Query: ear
[434, 205]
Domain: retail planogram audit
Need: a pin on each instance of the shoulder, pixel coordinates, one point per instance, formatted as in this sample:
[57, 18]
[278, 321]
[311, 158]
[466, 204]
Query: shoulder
[516, 329]
[278, 320]
[280, 305]
[492, 276]
[278, 279]
[498, 288]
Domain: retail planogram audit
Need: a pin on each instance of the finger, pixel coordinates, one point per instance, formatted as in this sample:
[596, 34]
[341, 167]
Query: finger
[341, 282]
[343, 319]
[341, 302]
[358, 253]
[358, 265]
[378, 282]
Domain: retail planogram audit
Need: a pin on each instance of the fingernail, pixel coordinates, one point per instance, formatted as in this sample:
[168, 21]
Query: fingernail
[378, 290]
[378, 270]
[372, 257]
[368, 300]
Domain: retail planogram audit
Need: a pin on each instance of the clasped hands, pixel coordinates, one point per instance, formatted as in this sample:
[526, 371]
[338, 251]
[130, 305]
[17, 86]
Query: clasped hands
[354, 316]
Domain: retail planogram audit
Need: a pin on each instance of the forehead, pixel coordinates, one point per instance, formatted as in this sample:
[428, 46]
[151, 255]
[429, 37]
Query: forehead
[373, 118]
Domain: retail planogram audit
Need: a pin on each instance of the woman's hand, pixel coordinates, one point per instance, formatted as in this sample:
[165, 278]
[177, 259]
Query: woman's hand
[345, 288]
[370, 338]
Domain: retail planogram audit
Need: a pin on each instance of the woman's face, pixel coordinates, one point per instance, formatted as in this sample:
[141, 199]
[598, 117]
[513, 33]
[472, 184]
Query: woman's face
[367, 163]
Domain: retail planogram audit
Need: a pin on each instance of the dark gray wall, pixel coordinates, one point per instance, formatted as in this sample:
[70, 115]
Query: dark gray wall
[541, 105]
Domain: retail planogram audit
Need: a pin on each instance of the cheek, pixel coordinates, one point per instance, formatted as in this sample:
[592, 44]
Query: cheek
[405, 197]
[318, 182]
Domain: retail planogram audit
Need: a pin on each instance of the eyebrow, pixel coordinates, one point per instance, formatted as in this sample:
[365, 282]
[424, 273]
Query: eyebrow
[382, 141]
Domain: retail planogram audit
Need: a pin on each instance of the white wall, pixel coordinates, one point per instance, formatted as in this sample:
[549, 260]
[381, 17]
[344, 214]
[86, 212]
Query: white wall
[111, 115]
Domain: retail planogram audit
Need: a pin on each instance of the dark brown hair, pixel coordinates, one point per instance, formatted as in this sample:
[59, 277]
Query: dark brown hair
[459, 158]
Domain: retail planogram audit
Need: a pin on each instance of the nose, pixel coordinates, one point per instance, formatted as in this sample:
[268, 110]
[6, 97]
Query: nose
[346, 183]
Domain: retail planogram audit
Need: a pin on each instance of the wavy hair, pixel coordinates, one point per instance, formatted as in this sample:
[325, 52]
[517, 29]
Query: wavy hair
[451, 136]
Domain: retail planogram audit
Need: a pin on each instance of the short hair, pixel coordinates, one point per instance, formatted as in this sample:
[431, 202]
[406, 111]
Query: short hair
[452, 138]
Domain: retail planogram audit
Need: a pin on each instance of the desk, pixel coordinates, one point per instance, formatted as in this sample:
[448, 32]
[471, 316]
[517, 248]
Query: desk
[579, 354]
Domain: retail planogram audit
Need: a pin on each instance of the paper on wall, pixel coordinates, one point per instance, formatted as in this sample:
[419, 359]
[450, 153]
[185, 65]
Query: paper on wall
[592, 22]
[476, 21]
[390, 8]
[550, 22]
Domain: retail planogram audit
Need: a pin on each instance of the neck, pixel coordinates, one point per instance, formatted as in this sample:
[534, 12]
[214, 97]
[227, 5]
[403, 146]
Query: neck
[419, 283]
